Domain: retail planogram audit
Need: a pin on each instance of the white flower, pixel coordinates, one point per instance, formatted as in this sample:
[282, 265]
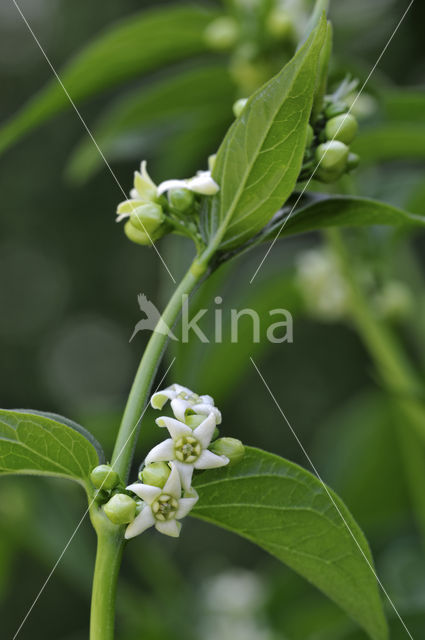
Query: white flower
[184, 401]
[144, 192]
[202, 183]
[187, 448]
[163, 508]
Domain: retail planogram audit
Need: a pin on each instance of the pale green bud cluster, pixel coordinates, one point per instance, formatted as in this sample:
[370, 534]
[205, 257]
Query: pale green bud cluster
[327, 155]
[150, 214]
[119, 507]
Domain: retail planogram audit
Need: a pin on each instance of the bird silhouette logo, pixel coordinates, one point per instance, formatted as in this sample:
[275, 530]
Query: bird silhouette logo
[153, 321]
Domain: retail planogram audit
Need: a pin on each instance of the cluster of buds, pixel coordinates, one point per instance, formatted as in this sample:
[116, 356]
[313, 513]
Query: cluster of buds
[164, 493]
[327, 156]
[149, 214]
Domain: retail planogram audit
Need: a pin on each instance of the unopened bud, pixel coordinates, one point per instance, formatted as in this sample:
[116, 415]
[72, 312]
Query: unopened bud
[310, 136]
[181, 199]
[120, 509]
[239, 105]
[343, 128]
[279, 24]
[104, 477]
[332, 155]
[155, 474]
[142, 237]
[229, 447]
[147, 218]
[222, 33]
[353, 161]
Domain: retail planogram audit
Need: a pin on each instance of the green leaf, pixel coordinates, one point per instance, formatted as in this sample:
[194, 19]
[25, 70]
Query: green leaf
[260, 157]
[139, 43]
[390, 142]
[175, 103]
[317, 211]
[37, 443]
[287, 511]
[406, 105]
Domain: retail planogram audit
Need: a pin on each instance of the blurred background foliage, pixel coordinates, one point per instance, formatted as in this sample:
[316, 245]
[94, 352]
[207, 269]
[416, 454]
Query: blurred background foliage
[69, 281]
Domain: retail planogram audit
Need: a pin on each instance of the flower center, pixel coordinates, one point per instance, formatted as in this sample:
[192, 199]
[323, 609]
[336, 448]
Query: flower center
[193, 398]
[187, 449]
[165, 507]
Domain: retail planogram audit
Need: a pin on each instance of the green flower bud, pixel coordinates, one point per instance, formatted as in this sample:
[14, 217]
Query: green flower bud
[343, 128]
[222, 33]
[181, 199]
[147, 218]
[229, 447]
[211, 162]
[279, 24]
[140, 237]
[327, 176]
[120, 509]
[332, 155]
[310, 136]
[239, 105]
[104, 477]
[353, 161]
[155, 474]
[335, 109]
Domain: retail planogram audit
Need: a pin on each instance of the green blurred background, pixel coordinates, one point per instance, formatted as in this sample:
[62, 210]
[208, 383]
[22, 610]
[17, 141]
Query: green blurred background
[69, 281]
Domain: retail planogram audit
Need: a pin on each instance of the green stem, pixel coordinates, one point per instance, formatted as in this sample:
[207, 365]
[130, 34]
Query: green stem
[110, 541]
[398, 376]
[130, 424]
[110, 546]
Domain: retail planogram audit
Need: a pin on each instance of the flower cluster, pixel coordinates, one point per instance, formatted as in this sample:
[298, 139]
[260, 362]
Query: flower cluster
[149, 213]
[165, 491]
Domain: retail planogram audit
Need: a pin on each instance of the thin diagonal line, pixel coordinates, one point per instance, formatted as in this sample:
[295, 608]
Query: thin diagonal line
[86, 512]
[331, 499]
[336, 133]
[83, 122]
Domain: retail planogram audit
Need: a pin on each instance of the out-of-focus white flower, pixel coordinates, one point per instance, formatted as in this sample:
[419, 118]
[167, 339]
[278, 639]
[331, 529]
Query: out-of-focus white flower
[323, 288]
[202, 183]
[184, 401]
[162, 508]
[187, 448]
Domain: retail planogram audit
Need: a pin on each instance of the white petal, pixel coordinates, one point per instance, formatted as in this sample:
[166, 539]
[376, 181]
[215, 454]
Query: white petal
[169, 528]
[207, 400]
[160, 398]
[142, 522]
[134, 194]
[163, 452]
[179, 407]
[171, 184]
[176, 428]
[205, 409]
[204, 184]
[209, 460]
[173, 485]
[145, 491]
[185, 505]
[185, 472]
[205, 431]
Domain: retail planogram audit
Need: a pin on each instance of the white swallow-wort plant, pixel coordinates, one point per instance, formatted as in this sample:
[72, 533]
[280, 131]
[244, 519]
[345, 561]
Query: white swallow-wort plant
[287, 127]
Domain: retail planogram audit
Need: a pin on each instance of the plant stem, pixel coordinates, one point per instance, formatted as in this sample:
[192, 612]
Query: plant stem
[130, 424]
[110, 546]
[398, 376]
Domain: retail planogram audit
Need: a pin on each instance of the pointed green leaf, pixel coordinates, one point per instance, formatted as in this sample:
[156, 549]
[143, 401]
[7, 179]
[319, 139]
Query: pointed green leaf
[316, 211]
[288, 512]
[39, 443]
[260, 157]
[137, 44]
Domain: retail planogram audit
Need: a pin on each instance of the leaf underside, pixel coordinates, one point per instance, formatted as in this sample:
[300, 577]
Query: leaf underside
[288, 512]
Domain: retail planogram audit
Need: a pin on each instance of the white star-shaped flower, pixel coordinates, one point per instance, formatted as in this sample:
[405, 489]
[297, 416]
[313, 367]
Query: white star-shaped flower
[202, 183]
[187, 448]
[163, 508]
[184, 401]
